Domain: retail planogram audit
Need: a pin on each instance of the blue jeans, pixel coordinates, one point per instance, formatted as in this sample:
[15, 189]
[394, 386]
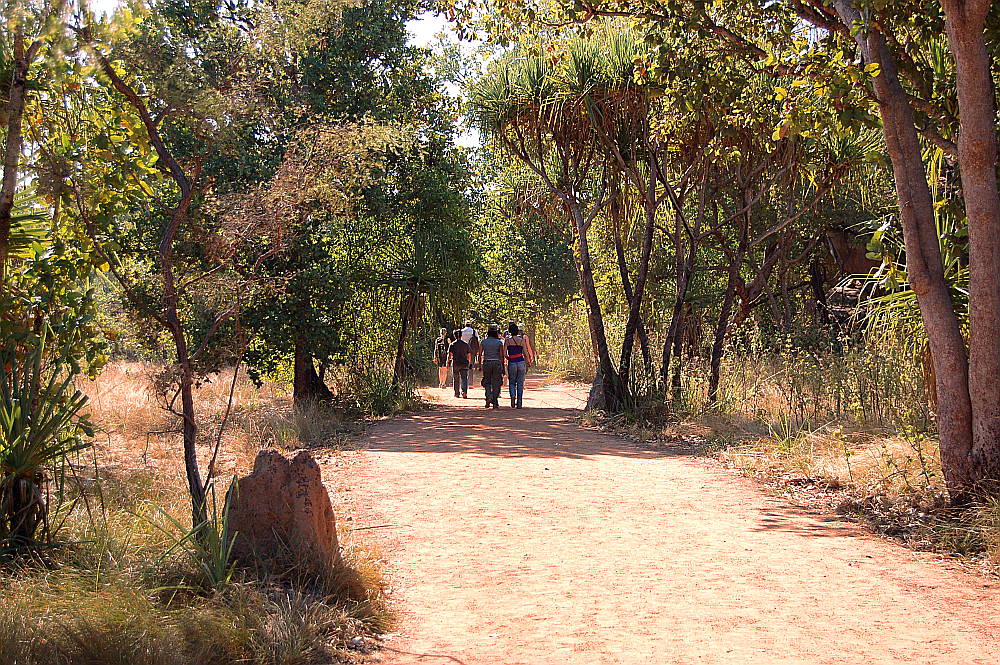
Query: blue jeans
[516, 372]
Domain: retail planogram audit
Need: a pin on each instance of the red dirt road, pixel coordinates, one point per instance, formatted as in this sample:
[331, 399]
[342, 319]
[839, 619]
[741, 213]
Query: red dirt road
[515, 537]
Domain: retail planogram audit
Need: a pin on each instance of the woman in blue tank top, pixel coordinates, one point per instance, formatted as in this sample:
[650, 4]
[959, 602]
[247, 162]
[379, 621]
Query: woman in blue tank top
[519, 358]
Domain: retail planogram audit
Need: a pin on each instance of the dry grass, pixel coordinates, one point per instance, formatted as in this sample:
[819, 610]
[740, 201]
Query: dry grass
[119, 590]
[137, 431]
[848, 433]
[899, 469]
[889, 481]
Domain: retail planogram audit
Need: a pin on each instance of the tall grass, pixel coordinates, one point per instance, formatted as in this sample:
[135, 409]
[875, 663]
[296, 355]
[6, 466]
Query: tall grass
[562, 345]
[130, 586]
[865, 385]
[128, 583]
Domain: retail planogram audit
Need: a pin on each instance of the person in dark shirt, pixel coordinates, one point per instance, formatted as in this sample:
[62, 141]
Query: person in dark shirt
[441, 345]
[458, 358]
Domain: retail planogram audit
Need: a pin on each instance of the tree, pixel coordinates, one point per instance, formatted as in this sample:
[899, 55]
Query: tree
[195, 255]
[966, 23]
[903, 71]
[363, 78]
[540, 115]
[31, 27]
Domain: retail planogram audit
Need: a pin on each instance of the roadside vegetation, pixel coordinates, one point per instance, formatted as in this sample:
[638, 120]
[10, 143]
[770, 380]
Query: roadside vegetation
[126, 578]
[219, 229]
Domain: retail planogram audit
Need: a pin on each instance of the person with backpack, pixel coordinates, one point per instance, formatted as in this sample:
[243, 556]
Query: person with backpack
[493, 367]
[459, 359]
[441, 345]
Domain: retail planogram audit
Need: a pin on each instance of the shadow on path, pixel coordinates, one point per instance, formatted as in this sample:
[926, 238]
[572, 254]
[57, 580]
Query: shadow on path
[530, 432]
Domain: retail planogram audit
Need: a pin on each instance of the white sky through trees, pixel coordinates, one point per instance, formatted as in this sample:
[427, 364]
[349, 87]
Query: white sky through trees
[423, 30]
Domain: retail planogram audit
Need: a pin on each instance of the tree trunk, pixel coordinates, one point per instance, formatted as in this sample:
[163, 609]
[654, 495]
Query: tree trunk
[977, 157]
[199, 511]
[12, 147]
[923, 259]
[672, 345]
[610, 390]
[719, 341]
[641, 331]
[307, 385]
[685, 314]
[399, 362]
[635, 304]
[817, 281]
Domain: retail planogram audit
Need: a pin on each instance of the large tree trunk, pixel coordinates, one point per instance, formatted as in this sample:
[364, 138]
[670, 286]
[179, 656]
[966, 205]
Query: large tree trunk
[923, 260]
[977, 157]
[307, 385]
[12, 147]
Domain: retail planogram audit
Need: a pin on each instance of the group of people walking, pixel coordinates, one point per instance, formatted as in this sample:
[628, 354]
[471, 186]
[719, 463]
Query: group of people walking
[463, 351]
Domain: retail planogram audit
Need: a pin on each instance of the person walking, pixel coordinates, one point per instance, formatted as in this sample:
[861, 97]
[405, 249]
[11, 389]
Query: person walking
[520, 357]
[471, 337]
[493, 365]
[441, 345]
[458, 358]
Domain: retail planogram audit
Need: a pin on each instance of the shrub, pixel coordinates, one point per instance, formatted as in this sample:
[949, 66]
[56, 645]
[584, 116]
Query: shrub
[39, 430]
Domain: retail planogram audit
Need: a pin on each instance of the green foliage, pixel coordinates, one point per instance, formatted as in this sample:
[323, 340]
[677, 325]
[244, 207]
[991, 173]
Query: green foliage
[891, 315]
[40, 430]
[376, 393]
[209, 544]
[388, 229]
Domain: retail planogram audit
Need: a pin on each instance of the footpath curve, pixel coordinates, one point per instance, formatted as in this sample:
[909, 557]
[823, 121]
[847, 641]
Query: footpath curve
[518, 538]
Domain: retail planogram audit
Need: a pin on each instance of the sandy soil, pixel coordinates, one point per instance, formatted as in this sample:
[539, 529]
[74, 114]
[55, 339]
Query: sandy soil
[515, 537]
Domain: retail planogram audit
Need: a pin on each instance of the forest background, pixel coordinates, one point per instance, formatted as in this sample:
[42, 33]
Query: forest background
[767, 230]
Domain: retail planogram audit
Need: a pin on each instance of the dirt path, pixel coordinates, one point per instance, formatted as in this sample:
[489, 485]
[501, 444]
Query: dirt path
[515, 537]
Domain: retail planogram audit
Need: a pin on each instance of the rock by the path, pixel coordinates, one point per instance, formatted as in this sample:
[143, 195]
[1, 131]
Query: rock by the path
[282, 510]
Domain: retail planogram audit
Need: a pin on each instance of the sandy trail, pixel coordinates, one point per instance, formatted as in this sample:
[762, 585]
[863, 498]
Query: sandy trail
[515, 537]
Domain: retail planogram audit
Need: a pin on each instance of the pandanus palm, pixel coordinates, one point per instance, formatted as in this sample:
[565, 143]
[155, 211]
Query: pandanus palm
[549, 114]
[39, 411]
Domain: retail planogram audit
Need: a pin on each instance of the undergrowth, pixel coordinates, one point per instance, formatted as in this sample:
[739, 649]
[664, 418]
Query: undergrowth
[119, 590]
[849, 432]
[127, 583]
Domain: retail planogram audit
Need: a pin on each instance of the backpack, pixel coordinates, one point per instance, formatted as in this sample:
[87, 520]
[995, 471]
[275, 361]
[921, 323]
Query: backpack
[474, 345]
[442, 350]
